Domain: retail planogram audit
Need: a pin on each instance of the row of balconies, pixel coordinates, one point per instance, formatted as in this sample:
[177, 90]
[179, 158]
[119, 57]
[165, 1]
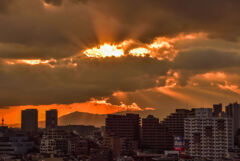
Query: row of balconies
[202, 152]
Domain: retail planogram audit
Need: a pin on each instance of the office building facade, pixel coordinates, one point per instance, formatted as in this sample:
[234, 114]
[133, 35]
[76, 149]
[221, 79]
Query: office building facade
[51, 118]
[29, 120]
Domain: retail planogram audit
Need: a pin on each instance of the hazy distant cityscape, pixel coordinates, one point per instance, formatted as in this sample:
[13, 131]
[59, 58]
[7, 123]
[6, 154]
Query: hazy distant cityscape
[198, 134]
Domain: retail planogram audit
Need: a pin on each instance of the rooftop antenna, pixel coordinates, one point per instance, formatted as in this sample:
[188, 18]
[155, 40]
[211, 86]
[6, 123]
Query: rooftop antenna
[2, 121]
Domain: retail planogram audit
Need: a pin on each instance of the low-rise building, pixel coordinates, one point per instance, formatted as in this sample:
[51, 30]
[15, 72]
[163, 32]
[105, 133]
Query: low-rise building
[54, 141]
[78, 146]
[13, 142]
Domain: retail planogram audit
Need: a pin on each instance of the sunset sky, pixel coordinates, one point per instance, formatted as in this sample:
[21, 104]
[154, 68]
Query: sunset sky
[107, 56]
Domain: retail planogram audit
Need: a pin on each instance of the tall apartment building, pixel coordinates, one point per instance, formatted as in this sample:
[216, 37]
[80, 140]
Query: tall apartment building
[155, 136]
[122, 133]
[175, 122]
[124, 125]
[29, 120]
[208, 137]
[233, 111]
[51, 118]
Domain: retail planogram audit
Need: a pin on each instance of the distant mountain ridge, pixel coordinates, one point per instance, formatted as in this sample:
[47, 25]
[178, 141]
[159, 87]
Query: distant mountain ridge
[82, 118]
[98, 120]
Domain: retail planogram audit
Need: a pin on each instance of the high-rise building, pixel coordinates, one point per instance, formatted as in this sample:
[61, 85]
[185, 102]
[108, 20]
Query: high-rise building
[51, 118]
[124, 125]
[29, 121]
[155, 136]
[126, 128]
[175, 122]
[233, 111]
[207, 137]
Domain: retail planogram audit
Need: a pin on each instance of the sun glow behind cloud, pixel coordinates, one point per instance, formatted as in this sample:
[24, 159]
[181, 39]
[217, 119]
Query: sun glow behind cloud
[139, 52]
[105, 50]
[160, 48]
[33, 61]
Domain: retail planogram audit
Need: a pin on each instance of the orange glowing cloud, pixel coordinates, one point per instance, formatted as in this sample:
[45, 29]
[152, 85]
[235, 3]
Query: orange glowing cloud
[119, 94]
[217, 75]
[29, 61]
[160, 43]
[170, 82]
[171, 79]
[48, 6]
[230, 87]
[211, 78]
[164, 47]
[149, 108]
[33, 61]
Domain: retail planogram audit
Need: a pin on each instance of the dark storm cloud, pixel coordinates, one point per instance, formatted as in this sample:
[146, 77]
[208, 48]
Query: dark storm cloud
[4, 4]
[89, 22]
[40, 84]
[54, 2]
[198, 61]
[30, 24]
[59, 2]
[206, 59]
[153, 18]
[16, 51]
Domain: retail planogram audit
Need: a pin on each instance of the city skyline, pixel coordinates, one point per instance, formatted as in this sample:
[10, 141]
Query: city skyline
[51, 116]
[185, 134]
[87, 115]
